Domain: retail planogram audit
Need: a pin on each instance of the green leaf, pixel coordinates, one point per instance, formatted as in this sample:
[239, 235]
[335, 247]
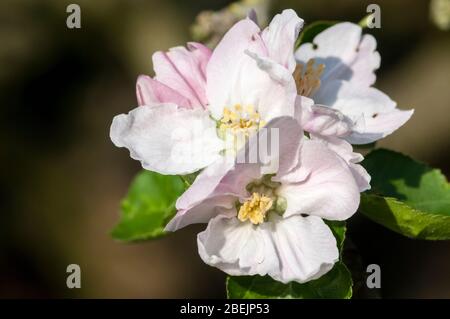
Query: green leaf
[149, 205]
[407, 196]
[404, 219]
[336, 284]
[311, 30]
[338, 228]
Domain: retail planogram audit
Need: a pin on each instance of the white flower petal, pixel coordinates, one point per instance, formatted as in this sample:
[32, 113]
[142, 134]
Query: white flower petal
[305, 246]
[280, 37]
[325, 121]
[366, 62]
[240, 72]
[346, 56]
[278, 145]
[345, 151]
[168, 139]
[330, 191]
[277, 89]
[292, 249]
[236, 248]
[375, 115]
[219, 183]
[223, 205]
[205, 183]
[230, 72]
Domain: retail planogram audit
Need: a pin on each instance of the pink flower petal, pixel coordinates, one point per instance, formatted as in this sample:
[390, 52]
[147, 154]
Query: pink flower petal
[150, 92]
[183, 70]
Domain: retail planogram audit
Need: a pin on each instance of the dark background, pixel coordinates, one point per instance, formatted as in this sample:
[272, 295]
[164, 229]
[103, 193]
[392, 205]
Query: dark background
[61, 179]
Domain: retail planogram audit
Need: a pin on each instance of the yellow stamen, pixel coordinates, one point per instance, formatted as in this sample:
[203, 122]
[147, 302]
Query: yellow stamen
[255, 209]
[307, 78]
[239, 121]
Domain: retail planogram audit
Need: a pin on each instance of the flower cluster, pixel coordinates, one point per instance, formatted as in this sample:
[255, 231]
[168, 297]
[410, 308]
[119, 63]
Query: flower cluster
[207, 111]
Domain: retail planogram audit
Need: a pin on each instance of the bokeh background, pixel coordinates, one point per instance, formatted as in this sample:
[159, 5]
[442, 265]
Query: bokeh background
[61, 179]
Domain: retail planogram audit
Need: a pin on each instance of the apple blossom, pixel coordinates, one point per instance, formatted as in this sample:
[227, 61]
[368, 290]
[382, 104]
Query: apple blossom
[336, 71]
[271, 222]
[269, 208]
[200, 100]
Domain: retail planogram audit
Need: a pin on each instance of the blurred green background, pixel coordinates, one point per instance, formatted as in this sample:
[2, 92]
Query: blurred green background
[62, 179]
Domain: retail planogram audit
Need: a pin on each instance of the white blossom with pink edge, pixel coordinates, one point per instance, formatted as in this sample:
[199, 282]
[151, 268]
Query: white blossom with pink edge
[271, 222]
[196, 91]
[337, 71]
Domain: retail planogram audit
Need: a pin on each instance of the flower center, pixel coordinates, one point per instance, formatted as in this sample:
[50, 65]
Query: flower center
[307, 78]
[255, 209]
[263, 201]
[240, 120]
